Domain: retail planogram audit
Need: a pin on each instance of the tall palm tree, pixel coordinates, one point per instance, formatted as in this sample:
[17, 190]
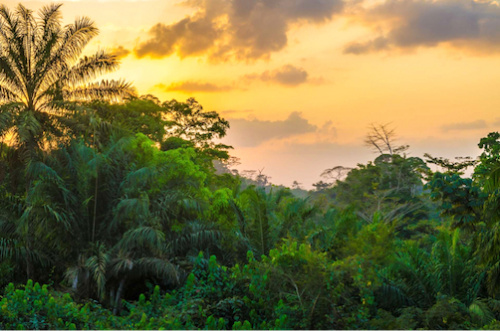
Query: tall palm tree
[41, 73]
[260, 218]
[41, 70]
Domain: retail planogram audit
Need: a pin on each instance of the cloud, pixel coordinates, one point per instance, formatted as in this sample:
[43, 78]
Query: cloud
[194, 86]
[327, 130]
[287, 75]
[376, 44]
[120, 52]
[242, 30]
[230, 112]
[188, 37]
[250, 133]
[410, 24]
[479, 124]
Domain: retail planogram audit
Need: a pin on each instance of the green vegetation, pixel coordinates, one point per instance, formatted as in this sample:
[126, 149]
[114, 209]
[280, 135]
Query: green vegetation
[113, 202]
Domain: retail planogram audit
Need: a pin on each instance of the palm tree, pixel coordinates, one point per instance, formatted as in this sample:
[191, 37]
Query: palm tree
[41, 74]
[450, 270]
[41, 70]
[260, 218]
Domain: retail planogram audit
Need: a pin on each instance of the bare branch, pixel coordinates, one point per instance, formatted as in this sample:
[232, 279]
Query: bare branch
[381, 138]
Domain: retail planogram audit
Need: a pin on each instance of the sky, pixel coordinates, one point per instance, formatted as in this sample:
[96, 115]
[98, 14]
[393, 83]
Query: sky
[301, 81]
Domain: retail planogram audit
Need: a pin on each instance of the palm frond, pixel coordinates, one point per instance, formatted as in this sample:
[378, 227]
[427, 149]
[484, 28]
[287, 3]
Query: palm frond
[110, 90]
[40, 69]
[493, 180]
[122, 264]
[17, 250]
[50, 17]
[136, 209]
[391, 296]
[90, 67]
[160, 268]
[98, 265]
[142, 237]
[76, 37]
[195, 236]
[480, 312]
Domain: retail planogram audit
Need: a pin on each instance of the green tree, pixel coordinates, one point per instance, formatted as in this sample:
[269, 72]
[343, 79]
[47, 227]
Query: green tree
[188, 121]
[391, 186]
[443, 281]
[41, 74]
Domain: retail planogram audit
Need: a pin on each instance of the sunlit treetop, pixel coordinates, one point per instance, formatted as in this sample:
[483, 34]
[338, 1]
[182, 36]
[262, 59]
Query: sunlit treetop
[41, 69]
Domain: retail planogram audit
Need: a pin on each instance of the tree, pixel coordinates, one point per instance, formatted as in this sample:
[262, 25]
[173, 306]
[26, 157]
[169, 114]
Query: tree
[188, 122]
[336, 173]
[447, 273]
[321, 185]
[450, 167]
[489, 160]
[382, 185]
[147, 222]
[41, 75]
[41, 71]
[382, 139]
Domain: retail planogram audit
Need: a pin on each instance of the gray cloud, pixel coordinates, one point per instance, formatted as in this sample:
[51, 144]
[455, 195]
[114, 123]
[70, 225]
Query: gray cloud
[190, 36]
[328, 129]
[241, 30]
[479, 124]
[408, 24]
[194, 86]
[287, 75]
[376, 44]
[249, 133]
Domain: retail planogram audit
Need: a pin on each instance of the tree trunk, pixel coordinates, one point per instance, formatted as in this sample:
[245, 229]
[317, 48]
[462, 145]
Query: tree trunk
[117, 307]
[112, 296]
[75, 283]
[29, 260]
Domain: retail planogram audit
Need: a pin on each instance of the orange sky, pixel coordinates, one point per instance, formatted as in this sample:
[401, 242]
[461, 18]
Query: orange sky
[301, 80]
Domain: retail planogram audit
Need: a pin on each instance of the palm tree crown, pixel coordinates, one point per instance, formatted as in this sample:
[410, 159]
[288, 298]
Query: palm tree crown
[41, 69]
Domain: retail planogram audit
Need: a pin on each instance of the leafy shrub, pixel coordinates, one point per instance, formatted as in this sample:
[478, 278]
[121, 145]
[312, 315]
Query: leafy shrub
[35, 307]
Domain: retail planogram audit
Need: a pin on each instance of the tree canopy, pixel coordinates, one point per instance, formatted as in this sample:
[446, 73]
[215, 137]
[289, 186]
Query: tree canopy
[114, 202]
[42, 70]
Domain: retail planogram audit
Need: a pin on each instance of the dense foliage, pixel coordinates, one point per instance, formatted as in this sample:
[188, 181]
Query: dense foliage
[113, 201]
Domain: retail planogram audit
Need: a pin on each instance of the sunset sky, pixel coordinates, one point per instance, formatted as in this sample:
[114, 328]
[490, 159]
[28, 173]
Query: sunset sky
[302, 80]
